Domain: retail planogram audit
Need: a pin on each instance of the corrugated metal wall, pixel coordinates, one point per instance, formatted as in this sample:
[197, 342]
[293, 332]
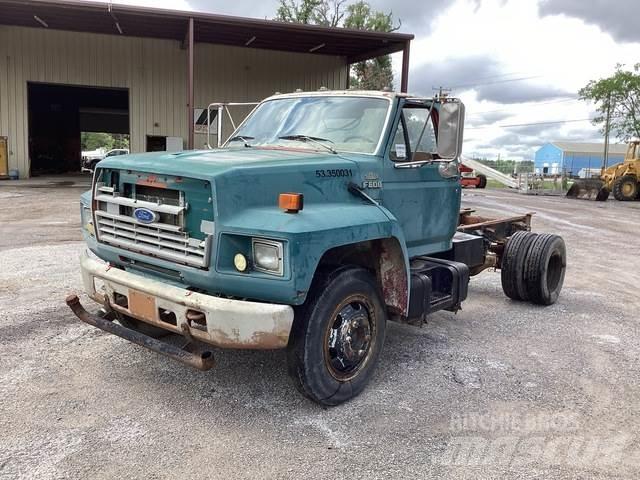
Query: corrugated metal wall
[574, 162]
[153, 70]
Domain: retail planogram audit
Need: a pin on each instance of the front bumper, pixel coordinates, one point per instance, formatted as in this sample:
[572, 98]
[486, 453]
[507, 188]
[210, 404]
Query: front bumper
[227, 323]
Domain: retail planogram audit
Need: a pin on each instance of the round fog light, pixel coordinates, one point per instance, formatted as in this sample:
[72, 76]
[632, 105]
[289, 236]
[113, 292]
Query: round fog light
[240, 262]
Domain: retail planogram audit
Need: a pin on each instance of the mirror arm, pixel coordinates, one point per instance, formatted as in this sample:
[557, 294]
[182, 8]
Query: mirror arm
[422, 163]
[417, 164]
[423, 129]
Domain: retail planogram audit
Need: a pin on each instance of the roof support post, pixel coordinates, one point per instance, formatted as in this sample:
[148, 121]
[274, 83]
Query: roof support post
[404, 79]
[348, 79]
[190, 83]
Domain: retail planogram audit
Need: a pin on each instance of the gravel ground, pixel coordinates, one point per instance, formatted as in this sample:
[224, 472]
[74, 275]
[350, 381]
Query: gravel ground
[499, 390]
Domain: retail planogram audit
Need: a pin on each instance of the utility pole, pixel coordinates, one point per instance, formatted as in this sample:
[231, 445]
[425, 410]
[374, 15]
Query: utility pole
[605, 161]
[442, 92]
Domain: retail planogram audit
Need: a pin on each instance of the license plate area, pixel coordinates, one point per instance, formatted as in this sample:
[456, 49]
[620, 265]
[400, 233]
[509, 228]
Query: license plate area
[142, 305]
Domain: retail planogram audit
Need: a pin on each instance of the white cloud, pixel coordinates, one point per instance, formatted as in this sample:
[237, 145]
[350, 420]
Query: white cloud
[463, 42]
[561, 54]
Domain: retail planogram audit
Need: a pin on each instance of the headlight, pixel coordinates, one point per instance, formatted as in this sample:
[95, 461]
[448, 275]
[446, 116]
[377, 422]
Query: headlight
[86, 220]
[267, 256]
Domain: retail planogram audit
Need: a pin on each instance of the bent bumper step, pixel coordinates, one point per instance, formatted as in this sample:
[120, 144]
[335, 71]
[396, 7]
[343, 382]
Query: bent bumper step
[230, 323]
[201, 360]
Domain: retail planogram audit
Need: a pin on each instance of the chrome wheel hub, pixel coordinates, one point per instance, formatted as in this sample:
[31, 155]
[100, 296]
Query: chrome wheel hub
[349, 339]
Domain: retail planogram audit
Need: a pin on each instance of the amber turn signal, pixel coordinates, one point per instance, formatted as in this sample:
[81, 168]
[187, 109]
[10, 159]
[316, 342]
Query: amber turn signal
[291, 202]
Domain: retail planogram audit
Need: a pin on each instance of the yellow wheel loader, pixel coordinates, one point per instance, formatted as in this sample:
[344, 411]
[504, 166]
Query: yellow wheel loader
[622, 179]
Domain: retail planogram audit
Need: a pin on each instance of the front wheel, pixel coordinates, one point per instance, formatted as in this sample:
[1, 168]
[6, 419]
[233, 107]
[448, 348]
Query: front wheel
[337, 336]
[625, 188]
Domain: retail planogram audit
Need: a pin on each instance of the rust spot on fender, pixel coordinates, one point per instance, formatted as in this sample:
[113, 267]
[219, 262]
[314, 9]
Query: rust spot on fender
[393, 276]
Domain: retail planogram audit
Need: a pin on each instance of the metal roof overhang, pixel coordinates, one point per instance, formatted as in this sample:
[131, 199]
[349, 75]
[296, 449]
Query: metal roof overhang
[116, 19]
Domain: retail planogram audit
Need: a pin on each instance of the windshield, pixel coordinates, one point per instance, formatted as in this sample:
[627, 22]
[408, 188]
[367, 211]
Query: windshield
[352, 124]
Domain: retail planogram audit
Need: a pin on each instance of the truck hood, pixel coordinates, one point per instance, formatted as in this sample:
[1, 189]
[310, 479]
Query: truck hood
[206, 164]
[244, 178]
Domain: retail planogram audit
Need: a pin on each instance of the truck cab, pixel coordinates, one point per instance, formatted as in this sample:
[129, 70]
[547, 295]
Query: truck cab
[324, 215]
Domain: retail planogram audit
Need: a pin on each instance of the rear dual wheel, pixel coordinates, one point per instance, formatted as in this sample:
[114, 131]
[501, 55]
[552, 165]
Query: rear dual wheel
[533, 267]
[544, 269]
[513, 261]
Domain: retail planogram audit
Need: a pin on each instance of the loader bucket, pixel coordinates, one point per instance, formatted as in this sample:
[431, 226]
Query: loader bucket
[588, 190]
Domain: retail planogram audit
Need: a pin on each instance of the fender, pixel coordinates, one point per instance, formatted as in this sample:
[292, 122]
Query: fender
[319, 228]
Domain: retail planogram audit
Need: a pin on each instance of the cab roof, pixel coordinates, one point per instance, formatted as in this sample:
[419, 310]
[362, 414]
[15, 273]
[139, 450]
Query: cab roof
[346, 93]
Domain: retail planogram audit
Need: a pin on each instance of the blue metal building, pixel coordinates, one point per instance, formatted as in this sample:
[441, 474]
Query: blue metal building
[571, 157]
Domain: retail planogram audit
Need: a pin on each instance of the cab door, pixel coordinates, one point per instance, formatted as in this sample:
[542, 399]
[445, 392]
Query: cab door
[425, 203]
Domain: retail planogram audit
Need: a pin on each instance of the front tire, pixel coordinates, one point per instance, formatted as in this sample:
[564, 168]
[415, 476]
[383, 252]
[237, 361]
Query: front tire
[337, 336]
[625, 188]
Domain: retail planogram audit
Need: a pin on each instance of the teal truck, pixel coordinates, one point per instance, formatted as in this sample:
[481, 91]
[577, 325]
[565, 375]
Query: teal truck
[324, 216]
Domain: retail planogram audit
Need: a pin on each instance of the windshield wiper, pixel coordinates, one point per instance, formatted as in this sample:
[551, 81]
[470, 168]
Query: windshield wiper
[242, 138]
[308, 138]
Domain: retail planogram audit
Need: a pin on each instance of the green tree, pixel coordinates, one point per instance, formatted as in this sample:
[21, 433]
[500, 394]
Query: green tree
[374, 74]
[294, 12]
[96, 140]
[619, 94]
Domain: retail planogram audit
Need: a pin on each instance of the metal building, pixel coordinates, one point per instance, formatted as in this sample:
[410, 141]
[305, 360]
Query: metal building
[70, 66]
[572, 157]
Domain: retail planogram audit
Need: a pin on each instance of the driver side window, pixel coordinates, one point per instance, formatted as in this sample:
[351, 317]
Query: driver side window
[413, 141]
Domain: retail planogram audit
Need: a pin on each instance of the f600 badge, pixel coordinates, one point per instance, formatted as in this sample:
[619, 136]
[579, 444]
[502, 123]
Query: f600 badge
[371, 180]
[144, 215]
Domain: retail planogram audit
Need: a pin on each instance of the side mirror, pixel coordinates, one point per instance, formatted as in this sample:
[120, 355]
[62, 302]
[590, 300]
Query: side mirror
[450, 129]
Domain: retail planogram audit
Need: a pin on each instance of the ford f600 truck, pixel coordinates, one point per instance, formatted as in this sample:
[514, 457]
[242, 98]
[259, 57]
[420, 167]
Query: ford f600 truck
[324, 216]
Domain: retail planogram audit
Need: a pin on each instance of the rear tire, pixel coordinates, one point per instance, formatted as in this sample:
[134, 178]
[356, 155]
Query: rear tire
[513, 261]
[545, 269]
[482, 181]
[625, 188]
[337, 336]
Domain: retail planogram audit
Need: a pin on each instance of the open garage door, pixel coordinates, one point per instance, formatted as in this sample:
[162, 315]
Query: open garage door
[57, 115]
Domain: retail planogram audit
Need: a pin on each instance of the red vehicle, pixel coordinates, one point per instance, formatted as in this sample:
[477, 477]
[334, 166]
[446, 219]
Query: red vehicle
[469, 178]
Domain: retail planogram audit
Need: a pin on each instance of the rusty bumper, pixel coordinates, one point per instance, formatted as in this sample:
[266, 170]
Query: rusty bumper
[222, 322]
[201, 360]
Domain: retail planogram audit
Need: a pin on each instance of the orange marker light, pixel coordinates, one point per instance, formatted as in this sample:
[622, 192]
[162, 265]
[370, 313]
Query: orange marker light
[291, 202]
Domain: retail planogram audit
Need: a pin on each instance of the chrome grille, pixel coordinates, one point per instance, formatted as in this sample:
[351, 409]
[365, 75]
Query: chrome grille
[116, 226]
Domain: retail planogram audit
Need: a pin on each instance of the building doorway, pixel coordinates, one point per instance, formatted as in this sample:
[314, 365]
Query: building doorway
[57, 115]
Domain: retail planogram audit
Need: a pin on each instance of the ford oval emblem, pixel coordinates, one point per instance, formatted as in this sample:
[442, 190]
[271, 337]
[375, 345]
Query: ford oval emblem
[144, 215]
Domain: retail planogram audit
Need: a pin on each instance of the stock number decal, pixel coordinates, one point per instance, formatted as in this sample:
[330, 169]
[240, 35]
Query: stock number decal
[339, 172]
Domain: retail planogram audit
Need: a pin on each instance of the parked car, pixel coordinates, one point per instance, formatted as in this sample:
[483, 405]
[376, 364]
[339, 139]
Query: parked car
[90, 159]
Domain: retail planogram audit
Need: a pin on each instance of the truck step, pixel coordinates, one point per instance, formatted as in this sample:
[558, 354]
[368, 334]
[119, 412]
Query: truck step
[436, 284]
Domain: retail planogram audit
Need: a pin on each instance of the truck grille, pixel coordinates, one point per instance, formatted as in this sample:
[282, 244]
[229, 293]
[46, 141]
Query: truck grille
[164, 238]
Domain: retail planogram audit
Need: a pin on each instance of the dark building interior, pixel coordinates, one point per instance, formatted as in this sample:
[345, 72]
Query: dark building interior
[57, 115]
